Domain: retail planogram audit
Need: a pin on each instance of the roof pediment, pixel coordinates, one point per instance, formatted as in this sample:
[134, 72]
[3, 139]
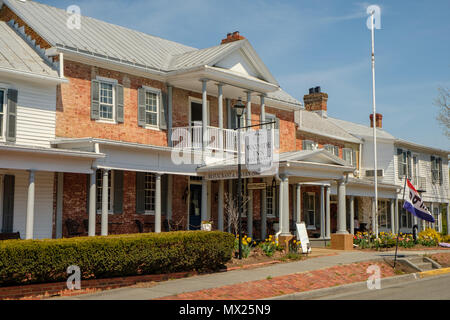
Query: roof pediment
[317, 156]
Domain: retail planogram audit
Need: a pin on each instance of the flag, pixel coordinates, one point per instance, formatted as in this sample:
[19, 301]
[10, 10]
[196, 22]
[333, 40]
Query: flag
[415, 205]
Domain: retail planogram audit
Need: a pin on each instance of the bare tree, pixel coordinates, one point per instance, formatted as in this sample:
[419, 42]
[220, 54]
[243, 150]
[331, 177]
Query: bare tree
[232, 211]
[443, 103]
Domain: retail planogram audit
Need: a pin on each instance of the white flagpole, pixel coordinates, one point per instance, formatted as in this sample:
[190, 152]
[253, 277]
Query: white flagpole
[375, 214]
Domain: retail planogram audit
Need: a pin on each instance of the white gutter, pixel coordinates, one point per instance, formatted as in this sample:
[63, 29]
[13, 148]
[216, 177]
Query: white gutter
[52, 151]
[33, 76]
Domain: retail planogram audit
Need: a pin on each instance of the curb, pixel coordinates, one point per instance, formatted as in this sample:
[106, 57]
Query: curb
[314, 294]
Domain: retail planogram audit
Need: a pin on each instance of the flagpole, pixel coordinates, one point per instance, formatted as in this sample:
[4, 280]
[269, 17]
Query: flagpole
[375, 214]
[398, 227]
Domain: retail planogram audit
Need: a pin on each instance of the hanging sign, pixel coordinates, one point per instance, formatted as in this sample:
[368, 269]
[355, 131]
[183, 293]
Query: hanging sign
[259, 150]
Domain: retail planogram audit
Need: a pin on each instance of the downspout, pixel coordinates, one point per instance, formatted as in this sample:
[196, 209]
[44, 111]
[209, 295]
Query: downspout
[280, 204]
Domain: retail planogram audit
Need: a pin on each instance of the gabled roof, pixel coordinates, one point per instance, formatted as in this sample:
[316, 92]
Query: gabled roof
[361, 131]
[317, 156]
[17, 55]
[314, 123]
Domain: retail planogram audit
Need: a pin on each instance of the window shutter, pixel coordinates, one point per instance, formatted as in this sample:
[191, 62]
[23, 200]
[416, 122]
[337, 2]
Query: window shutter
[408, 164]
[163, 111]
[336, 151]
[11, 117]
[354, 158]
[118, 191]
[141, 107]
[164, 186]
[441, 173]
[119, 103]
[8, 203]
[433, 175]
[304, 145]
[88, 187]
[233, 119]
[399, 163]
[305, 208]
[95, 100]
[140, 193]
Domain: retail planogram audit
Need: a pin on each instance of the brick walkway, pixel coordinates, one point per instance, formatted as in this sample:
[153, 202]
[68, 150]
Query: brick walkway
[281, 285]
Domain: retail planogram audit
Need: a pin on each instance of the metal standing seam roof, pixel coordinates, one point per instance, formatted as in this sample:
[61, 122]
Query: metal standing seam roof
[360, 130]
[16, 54]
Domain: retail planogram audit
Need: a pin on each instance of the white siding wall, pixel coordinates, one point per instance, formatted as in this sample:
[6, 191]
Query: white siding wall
[43, 207]
[385, 159]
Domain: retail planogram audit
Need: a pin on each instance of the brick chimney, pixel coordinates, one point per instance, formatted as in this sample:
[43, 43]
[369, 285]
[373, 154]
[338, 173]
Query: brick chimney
[316, 101]
[378, 120]
[232, 37]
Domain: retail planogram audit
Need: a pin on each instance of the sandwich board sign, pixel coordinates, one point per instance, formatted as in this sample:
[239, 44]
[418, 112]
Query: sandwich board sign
[302, 235]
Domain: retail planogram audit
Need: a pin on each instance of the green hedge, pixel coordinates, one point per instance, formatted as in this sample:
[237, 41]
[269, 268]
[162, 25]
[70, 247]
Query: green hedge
[34, 261]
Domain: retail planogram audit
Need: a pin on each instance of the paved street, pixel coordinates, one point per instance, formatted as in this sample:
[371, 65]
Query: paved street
[433, 288]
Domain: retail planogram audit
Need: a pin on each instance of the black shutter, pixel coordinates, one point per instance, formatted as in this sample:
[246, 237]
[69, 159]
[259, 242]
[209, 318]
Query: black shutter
[118, 191]
[441, 173]
[163, 111]
[408, 164]
[88, 188]
[95, 100]
[305, 208]
[141, 107]
[11, 115]
[233, 119]
[140, 193]
[164, 186]
[8, 204]
[399, 163]
[119, 103]
[433, 172]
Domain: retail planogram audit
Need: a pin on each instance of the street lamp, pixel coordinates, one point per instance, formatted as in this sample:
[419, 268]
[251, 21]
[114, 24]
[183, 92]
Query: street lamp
[239, 107]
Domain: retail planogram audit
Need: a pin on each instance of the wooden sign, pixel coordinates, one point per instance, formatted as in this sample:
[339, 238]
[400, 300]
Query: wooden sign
[302, 235]
[256, 186]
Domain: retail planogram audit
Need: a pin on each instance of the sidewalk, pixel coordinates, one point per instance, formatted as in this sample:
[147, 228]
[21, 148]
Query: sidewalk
[216, 280]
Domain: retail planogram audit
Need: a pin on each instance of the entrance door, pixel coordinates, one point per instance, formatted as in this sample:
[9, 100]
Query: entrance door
[8, 204]
[196, 114]
[195, 207]
[333, 217]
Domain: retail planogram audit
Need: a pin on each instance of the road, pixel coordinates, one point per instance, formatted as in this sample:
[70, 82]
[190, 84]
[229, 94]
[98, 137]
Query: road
[432, 288]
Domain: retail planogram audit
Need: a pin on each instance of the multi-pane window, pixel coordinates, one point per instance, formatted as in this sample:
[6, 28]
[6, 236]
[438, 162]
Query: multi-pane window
[310, 209]
[333, 149]
[436, 170]
[106, 101]
[2, 112]
[384, 214]
[347, 156]
[151, 108]
[308, 145]
[404, 163]
[149, 192]
[271, 196]
[436, 218]
[99, 194]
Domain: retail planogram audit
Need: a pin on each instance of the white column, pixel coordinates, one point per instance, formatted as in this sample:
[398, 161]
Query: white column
[285, 208]
[220, 206]
[220, 111]
[249, 109]
[298, 203]
[92, 204]
[262, 116]
[157, 203]
[30, 205]
[105, 200]
[328, 213]
[341, 214]
[322, 212]
[352, 215]
[263, 214]
[59, 204]
[204, 214]
[250, 212]
[392, 215]
[204, 114]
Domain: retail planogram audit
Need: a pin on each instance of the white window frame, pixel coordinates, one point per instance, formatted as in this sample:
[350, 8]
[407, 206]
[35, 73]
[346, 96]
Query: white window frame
[308, 210]
[274, 201]
[157, 92]
[111, 191]
[149, 212]
[113, 83]
[436, 215]
[384, 210]
[332, 147]
[352, 161]
[311, 142]
[200, 101]
[437, 170]
[3, 113]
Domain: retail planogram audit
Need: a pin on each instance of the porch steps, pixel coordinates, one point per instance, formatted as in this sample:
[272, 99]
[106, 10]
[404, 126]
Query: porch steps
[422, 263]
[319, 243]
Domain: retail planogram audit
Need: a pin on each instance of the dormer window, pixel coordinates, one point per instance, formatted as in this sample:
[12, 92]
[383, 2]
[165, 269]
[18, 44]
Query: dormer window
[308, 145]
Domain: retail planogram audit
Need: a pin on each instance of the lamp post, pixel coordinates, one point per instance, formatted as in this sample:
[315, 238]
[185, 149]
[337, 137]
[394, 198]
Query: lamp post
[239, 107]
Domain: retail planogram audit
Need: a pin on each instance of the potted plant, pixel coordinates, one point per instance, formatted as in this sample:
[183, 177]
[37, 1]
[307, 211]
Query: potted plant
[206, 225]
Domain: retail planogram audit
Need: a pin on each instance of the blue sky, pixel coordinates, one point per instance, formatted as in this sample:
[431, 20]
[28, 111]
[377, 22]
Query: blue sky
[319, 43]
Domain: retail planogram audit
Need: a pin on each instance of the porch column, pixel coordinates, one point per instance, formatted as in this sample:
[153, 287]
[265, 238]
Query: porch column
[298, 202]
[448, 218]
[59, 204]
[263, 213]
[104, 231]
[328, 213]
[262, 116]
[204, 115]
[204, 215]
[352, 215]
[397, 220]
[220, 110]
[220, 205]
[285, 207]
[392, 203]
[30, 205]
[92, 202]
[249, 109]
[341, 214]
[322, 211]
[250, 212]
[157, 203]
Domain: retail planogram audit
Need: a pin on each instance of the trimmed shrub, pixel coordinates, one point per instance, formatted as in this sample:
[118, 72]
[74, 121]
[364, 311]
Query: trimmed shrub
[34, 261]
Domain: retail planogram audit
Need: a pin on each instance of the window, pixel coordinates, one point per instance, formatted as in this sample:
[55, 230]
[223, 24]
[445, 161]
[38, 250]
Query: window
[436, 170]
[308, 145]
[2, 113]
[271, 199]
[332, 149]
[151, 108]
[106, 101]
[347, 156]
[149, 192]
[436, 218]
[99, 185]
[310, 209]
[406, 217]
[404, 163]
[384, 214]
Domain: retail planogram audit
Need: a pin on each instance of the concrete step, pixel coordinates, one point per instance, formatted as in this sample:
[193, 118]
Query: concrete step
[417, 259]
[425, 266]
